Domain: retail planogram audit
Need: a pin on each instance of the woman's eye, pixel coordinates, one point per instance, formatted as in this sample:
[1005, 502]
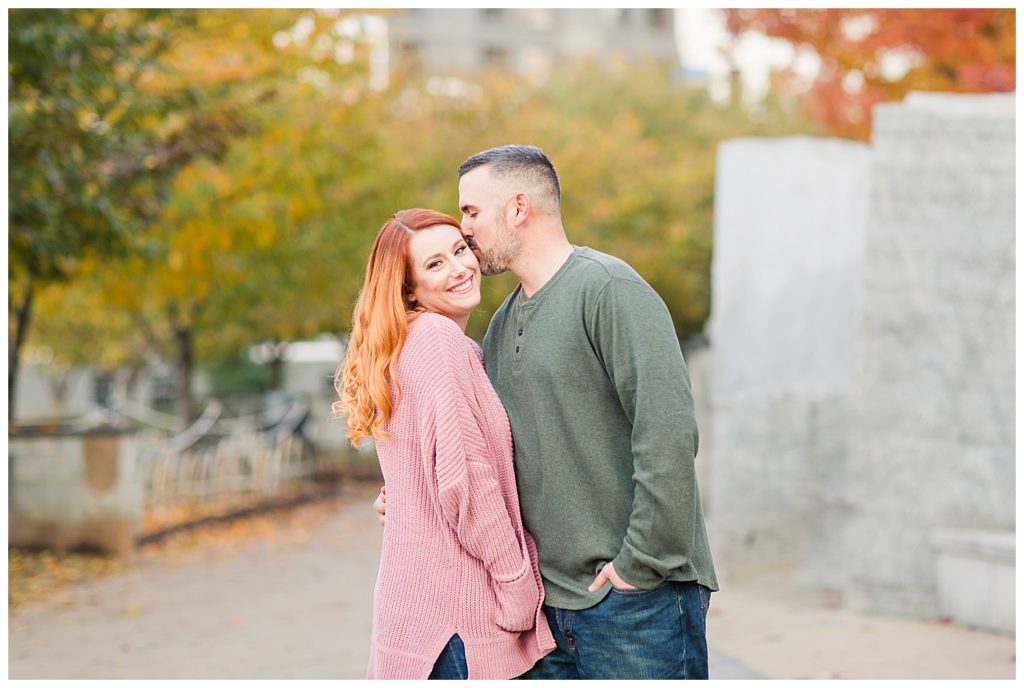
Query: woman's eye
[460, 250]
[433, 265]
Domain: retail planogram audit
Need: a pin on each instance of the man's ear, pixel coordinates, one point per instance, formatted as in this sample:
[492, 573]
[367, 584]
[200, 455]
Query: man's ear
[522, 206]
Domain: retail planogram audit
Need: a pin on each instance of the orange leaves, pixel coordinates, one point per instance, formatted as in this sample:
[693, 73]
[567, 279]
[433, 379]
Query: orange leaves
[894, 50]
[36, 575]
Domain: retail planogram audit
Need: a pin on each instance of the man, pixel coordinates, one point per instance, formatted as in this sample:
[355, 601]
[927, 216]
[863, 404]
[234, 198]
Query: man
[585, 359]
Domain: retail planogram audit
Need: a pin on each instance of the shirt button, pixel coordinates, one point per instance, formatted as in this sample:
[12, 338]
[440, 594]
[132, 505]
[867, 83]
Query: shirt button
[517, 349]
[520, 332]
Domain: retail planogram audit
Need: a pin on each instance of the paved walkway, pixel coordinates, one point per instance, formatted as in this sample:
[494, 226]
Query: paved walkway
[778, 633]
[296, 604]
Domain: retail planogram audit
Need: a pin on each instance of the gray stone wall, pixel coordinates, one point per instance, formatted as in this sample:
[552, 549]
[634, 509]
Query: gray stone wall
[698, 360]
[934, 392]
[861, 384]
[789, 226]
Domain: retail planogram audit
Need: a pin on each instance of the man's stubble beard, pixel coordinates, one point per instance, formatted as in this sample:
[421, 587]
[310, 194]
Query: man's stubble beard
[498, 259]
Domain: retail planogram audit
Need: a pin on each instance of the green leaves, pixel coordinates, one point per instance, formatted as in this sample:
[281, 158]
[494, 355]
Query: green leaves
[74, 119]
[254, 194]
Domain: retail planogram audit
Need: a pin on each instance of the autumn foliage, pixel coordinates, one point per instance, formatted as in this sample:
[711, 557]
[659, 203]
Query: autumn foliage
[875, 55]
[296, 153]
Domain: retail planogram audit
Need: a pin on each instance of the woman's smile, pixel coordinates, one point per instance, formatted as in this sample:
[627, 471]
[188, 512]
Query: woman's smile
[463, 287]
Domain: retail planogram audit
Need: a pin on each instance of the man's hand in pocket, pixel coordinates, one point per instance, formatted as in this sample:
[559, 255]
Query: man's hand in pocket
[608, 574]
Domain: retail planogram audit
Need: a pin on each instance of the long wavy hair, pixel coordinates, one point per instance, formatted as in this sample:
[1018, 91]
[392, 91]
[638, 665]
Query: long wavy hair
[379, 326]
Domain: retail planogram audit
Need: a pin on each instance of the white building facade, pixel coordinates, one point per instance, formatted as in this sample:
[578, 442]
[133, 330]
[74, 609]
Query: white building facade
[528, 41]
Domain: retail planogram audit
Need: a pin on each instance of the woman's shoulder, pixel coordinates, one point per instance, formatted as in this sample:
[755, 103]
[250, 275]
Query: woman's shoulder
[438, 333]
[428, 324]
[436, 352]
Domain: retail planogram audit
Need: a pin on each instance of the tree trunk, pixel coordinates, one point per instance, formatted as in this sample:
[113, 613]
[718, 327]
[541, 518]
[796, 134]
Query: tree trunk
[60, 376]
[183, 340]
[126, 378]
[23, 314]
[277, 367]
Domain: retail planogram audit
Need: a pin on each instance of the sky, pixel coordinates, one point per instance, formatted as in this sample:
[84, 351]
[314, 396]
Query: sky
[701, 34]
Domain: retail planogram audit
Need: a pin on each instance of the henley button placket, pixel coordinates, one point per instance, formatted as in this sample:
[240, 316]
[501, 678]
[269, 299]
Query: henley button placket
[520, 315]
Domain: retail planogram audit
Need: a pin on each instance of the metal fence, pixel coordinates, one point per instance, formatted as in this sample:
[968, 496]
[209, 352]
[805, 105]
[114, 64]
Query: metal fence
[220, 458]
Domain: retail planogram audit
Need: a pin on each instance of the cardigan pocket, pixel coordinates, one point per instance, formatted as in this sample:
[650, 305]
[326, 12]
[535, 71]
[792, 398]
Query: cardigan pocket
[517, 601]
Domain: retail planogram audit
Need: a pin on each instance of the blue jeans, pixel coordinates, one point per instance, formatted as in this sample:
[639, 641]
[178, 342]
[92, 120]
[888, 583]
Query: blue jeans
[643, 634]
[451, 663]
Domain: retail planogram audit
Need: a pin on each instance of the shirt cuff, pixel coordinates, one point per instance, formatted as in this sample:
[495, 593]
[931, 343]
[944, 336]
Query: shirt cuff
[629, 567]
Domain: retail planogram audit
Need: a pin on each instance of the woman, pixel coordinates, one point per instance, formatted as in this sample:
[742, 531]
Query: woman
[458, 592]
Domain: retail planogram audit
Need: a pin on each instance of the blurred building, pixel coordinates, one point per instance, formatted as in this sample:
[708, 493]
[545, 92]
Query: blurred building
[529, 41]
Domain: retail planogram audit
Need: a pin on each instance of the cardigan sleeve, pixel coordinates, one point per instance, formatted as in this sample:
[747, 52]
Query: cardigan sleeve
[468, 490]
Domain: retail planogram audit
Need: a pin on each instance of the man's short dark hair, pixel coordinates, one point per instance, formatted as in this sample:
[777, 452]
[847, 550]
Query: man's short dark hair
[525, 162]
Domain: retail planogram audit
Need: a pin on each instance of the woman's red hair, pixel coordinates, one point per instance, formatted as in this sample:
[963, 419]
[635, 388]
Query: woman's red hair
[379, 326]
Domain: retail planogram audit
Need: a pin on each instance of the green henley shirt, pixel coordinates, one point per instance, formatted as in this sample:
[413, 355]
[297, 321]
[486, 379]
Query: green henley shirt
[597, 393]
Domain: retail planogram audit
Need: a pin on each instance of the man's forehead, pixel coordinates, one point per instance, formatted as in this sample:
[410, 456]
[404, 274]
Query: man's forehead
[475, 186]
[481, 181]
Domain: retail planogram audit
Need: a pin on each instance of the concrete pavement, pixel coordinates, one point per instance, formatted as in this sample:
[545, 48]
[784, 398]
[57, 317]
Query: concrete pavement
[296, 604]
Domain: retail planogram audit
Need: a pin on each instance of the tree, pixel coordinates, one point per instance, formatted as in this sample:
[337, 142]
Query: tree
[234, 68]
[241, 241]
[635, 152]
[90, 149]
[875, 55]
[269, 241]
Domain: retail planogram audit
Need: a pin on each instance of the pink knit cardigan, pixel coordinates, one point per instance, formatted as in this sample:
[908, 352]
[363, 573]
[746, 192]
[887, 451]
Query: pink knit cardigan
[455, 558]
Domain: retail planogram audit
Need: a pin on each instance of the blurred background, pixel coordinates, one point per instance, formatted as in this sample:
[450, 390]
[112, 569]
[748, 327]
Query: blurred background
[824, 199]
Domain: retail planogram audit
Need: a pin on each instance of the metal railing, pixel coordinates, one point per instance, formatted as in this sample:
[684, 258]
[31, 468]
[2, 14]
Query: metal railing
[219, 457]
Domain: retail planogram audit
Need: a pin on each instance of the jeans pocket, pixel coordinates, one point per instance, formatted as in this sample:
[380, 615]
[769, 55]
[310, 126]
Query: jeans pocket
[630, 592]
[705, 598]
[638, 591]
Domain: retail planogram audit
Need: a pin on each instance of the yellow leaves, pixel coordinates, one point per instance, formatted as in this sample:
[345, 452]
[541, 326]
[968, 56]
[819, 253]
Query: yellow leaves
[229, 533]
[86, 118]
[228, 46]
[293, 207]
[264, 233]
[176, 261]
[119, 287]
[219, 179]
[35, 575]
[300, 206]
